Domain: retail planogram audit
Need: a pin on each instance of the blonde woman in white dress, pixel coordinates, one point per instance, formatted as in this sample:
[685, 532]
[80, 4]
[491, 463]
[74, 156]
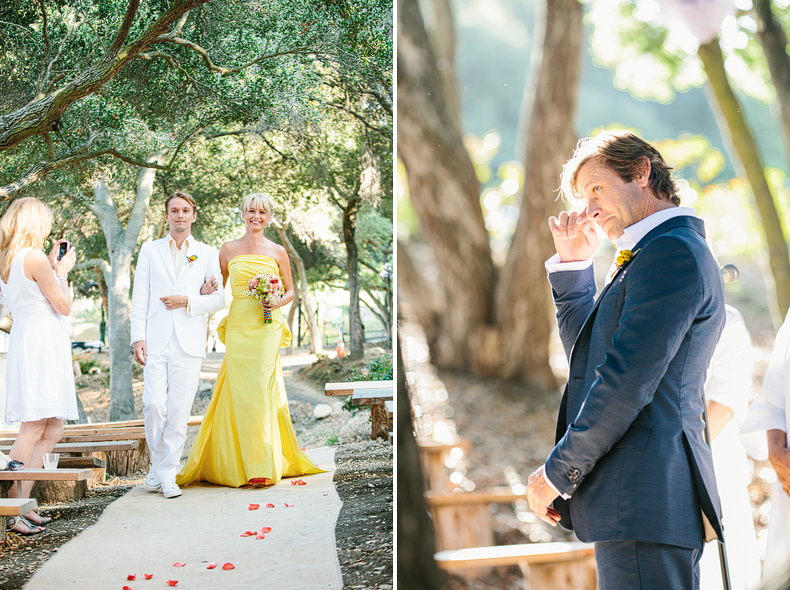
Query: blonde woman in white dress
[40, 390]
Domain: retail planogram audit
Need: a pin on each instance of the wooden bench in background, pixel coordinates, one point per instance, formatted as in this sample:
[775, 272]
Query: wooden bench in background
[376, 394]
[14, 507]
[115, 447]
[545, 566]
[78, 478]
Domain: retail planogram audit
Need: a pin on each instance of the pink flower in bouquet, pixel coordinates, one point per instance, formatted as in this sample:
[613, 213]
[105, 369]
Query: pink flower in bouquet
[253, 284]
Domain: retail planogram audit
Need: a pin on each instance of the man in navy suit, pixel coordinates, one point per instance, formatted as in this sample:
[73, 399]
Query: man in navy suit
[630, 470]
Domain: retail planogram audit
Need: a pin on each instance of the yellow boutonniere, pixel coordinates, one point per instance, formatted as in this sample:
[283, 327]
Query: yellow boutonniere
[191, 259]
[624, 258]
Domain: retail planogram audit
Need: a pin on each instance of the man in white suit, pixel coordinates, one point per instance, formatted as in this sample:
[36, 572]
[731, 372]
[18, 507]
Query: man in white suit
[175, 285]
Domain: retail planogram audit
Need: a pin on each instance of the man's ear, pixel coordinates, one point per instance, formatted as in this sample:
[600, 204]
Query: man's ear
[642, 175]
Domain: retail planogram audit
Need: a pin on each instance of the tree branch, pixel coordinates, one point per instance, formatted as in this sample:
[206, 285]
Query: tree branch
[123, 31]
[358, 116]
[225, 71]
[99, 263]
[43, 168]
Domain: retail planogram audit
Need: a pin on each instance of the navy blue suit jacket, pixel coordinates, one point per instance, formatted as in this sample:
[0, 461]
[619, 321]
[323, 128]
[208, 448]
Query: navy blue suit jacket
[630, 449]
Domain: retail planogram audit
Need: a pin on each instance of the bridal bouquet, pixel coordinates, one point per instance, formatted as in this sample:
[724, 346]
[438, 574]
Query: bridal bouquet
[268, 288]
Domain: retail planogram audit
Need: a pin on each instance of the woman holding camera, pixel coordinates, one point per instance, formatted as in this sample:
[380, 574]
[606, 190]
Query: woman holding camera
[40, 390]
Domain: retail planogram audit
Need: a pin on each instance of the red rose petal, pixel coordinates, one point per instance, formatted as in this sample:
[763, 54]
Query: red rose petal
[254, 506]
[287, 505]
[248, 534]
[229, 566]
[266, 529]
[261, 537]
[212, 565]
[269, 505]
[179, 564]
[148, 576]
[131, 577]
[293, 483]
[126, 588]
[302, 482]
[172, 582]
[304, 449]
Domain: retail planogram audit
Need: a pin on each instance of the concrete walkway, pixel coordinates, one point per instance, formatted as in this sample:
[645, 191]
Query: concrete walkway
[143, 533]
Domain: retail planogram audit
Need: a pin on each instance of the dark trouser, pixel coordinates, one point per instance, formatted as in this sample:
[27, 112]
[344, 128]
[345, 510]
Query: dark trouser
[637, 565]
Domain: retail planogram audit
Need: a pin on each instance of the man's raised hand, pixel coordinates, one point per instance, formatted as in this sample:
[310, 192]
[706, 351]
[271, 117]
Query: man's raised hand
[574, 235]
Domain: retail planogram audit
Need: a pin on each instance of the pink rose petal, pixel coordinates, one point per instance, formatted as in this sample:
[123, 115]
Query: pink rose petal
[212, 565]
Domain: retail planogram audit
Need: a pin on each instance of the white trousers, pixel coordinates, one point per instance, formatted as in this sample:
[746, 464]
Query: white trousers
[171, 380]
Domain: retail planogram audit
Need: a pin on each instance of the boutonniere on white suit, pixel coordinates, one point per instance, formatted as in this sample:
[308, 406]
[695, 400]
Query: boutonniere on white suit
[191, 259]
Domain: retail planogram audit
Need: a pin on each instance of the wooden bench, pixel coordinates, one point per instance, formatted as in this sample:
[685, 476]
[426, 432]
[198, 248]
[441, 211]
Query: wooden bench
[375, 394]
[120, 447]
[554, 566]
[50, 475]
[14, 507]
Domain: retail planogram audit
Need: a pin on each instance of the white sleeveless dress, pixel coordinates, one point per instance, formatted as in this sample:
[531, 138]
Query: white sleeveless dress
[39, 370]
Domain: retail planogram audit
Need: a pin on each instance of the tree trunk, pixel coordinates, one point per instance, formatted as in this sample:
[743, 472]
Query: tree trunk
[442, 37]
[417, 569]
[316, 346]
[523, 299]
[121, 244]
[357, 334]
[445, 194]
[121, 396]
[773, 39]
[735, 127]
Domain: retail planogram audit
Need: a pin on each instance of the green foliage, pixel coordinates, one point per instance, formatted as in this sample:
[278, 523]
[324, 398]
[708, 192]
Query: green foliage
[87, 364]
[378, 369]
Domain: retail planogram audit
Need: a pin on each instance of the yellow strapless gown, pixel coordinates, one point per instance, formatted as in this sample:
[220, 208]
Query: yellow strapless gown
[247, 432]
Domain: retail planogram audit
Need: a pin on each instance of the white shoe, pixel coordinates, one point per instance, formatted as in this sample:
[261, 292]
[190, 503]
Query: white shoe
[170, 489]
[152, 481]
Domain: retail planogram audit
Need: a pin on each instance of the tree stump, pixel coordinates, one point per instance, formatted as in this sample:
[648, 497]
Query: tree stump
[128, 462]
[381, 422]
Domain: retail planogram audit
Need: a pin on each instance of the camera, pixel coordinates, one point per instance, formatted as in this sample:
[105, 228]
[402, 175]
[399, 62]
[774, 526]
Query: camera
[63, 248]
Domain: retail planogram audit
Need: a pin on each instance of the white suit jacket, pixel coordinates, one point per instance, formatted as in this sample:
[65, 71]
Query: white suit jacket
[154, 278]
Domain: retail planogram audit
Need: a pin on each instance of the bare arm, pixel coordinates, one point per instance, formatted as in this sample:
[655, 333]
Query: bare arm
[224, 257]
[54, 286]
[779, 456]
[718, 417]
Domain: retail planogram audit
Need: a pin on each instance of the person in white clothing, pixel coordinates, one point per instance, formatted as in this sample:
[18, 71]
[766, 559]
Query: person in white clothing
[727, 395]
[769, 413]
[39, 376]
[175, 285]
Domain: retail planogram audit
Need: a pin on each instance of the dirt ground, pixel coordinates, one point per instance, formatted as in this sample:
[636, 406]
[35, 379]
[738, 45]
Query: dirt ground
[364, 531]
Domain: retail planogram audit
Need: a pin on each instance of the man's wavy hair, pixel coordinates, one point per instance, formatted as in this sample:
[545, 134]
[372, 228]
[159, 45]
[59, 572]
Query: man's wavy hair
[181, 195]
[621, 152]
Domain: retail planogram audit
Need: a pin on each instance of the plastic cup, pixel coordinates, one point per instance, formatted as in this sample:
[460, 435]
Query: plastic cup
[51, 460]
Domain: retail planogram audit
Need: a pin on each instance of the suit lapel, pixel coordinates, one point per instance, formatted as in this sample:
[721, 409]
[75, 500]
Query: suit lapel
[164, 250]
[679, 221]
[185, 262]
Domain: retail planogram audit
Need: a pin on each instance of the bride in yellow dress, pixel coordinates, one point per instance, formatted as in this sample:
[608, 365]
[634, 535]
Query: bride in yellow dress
[246, 436]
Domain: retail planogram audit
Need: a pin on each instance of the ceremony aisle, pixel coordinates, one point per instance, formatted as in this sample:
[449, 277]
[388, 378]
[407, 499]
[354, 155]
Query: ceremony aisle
[143, 533]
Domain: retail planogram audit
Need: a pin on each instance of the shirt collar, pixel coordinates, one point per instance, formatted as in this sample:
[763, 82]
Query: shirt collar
[186, 241]
[640, 229]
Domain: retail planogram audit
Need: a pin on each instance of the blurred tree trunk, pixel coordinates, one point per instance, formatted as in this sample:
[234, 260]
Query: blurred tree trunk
[488, 325]
[742, 143]
[417, 568]
[524, 312]
[442, 38]
[773, 39]
[445, 194]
